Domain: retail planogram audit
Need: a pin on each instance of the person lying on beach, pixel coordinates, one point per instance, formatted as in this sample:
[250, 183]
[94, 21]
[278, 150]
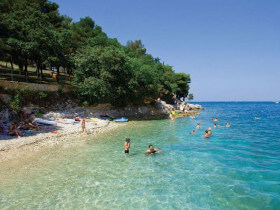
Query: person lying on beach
[227, 125]
[29, 126]
[198, 126]
[152, 150]
[126, 146]
[206, 135]
[13, 130]
[193, 132]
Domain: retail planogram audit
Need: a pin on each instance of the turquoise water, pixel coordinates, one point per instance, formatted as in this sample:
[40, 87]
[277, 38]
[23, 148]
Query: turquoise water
[236, 168]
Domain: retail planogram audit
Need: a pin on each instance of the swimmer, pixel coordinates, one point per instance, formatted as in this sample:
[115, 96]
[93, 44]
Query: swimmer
[192, 117]
[216, 119]
[152, 150]
[126, 146]
[227, 125]
[215, 125]
[171, 117]
[257, 118]
[206, 135]
[193, 132]
[209, 131]
[198, 126]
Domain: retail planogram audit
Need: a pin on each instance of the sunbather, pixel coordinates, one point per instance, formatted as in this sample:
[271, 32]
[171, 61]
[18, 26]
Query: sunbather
[29, 126]
[13, 130]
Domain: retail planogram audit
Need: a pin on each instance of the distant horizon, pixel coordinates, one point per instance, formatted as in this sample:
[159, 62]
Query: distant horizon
[234, 101]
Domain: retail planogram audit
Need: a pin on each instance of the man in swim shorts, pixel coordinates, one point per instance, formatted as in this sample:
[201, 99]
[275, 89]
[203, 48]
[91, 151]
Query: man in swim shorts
[126, 146]
[152, 150]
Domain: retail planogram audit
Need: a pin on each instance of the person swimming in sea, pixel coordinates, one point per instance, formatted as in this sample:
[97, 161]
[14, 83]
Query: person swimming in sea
[152, 150]
[126, 146]
[193, 132]
[216, 119]
[215, 125]
[209, 131]
[198, 126]
[227, 125]
[206, 135]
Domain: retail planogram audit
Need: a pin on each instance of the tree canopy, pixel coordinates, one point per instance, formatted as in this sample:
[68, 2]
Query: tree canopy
[105, 71]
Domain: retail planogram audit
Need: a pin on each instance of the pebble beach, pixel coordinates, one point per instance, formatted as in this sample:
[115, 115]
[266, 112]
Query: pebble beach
[50, 136]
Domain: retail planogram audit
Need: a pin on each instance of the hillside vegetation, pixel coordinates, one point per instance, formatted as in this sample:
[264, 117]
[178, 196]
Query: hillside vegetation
[100, 69]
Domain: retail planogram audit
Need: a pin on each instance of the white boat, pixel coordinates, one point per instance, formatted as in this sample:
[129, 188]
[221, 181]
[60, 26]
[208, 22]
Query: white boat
[277, 102]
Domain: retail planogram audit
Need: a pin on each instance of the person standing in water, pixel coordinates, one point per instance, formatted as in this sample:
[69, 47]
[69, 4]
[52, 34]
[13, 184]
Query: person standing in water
[198, 126]
[126, 146]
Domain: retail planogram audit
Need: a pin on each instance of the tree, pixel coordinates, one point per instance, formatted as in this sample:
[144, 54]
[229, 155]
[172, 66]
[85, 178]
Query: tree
[182, 80]
[190, 97]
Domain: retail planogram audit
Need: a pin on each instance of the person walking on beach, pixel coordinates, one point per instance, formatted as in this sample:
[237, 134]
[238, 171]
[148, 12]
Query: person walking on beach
[84, 126]
[126, 146]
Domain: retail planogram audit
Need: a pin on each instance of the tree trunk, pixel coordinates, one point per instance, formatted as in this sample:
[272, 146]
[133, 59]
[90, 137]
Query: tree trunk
[12, 68]
[37, 69]
[41, 73]
[25, 70]
[57, 74]
[20, 66]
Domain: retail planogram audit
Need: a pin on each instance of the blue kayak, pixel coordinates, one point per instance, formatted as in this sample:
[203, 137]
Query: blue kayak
[122, 119]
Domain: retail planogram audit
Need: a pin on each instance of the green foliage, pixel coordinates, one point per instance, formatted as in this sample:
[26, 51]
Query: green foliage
[33, 31]
[190, 97]
[15, 104]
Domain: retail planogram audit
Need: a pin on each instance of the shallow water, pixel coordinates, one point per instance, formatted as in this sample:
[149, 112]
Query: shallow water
[236, 168]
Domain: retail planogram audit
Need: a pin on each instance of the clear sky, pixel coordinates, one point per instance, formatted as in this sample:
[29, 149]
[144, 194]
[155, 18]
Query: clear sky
[231, 48]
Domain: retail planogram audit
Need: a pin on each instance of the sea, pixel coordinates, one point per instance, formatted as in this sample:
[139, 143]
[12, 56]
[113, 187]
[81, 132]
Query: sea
[236, 168]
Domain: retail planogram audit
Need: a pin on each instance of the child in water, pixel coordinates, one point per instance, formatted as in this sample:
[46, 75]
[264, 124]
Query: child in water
[126, 146]
[228, 125]
[193, 132]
